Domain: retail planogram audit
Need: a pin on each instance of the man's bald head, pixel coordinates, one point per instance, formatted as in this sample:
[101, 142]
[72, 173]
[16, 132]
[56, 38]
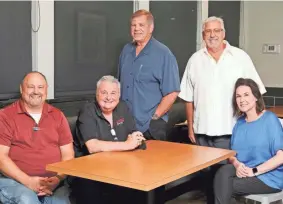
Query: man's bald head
[31, 73]
[34, 90]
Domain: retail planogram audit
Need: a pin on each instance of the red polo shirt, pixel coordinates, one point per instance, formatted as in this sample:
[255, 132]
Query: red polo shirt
[32, 148]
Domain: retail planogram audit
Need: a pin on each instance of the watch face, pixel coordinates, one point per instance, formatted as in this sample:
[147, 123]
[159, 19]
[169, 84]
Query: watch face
[254, 170]
[155, 117]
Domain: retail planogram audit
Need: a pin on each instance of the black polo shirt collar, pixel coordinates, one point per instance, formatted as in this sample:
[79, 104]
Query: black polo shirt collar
[117, 114]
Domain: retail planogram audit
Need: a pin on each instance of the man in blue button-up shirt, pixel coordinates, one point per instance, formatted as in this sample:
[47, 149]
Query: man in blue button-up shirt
[149, 77]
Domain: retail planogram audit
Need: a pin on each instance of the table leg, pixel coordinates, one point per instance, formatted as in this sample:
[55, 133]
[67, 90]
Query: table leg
[156, 196]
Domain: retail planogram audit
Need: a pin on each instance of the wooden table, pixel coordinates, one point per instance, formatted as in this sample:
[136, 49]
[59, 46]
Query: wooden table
[145, 170]
[278, 110]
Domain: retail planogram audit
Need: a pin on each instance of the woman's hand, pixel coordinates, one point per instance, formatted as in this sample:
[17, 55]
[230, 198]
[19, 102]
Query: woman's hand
[241, 170]
[249, 172]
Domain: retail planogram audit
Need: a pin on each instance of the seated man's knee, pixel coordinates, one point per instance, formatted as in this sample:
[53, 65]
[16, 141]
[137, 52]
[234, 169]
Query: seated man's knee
[15, 192]
[61, 195]
[26, 197]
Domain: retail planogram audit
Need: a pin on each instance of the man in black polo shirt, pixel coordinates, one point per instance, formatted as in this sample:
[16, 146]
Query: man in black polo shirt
[103, 125]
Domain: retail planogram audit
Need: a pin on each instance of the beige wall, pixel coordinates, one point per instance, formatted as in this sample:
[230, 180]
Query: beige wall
[262, 22]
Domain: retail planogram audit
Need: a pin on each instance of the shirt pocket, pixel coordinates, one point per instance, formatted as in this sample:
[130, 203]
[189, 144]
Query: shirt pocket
[145, 74]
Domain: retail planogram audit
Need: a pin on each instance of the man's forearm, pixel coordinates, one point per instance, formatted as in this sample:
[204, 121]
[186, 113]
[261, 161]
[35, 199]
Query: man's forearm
[10, 169]
[190, 114]
[166, 103]
[95, 145]
[67, 153]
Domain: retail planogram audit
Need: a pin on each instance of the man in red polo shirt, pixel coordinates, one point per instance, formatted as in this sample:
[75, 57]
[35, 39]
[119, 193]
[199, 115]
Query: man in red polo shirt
[32, 135]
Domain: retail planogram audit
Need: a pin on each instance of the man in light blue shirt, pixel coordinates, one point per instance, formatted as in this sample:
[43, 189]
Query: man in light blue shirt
[149, 76]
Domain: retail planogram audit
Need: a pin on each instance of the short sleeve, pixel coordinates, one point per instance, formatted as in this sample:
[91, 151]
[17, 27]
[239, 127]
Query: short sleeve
[250, 72]
[65, 135]
[6, 131]
[186, 85]
[86, 125]
[170, 77]
[234, 134]
[275, 132]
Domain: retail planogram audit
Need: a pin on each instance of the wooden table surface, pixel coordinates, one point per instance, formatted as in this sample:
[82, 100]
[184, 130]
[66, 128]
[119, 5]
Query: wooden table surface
[161, 163]
[278, 110]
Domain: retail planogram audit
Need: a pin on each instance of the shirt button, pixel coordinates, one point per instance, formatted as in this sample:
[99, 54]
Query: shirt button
[127, 86]
[127, 99]
[131, 73]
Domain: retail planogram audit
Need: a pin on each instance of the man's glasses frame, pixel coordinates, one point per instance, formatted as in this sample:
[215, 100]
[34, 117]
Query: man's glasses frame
[216, 31]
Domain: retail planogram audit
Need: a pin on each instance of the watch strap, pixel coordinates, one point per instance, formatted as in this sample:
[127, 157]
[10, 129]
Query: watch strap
[155, 117]
[254, 170]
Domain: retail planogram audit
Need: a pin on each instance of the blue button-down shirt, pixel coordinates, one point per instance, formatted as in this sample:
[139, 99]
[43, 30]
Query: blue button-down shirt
[146, 79]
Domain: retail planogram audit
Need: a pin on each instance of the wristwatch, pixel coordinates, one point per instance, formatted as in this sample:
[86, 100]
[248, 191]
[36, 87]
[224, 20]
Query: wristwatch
[155, 117]
[255, 170]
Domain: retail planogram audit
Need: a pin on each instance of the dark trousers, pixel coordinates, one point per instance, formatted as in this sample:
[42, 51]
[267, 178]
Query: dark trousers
[214, 141]
[209, 173]
[88, 191]
[157, 130]
[228, 185]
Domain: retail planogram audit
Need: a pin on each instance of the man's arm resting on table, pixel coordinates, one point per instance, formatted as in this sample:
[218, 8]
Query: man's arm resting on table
[9, 168]
[166, 103]
[94, 145]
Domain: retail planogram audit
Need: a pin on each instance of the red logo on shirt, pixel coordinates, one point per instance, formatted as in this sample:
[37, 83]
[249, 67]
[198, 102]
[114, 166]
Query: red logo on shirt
[120, 121]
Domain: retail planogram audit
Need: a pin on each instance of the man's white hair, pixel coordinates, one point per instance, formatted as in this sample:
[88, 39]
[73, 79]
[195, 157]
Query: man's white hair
[213, 18]
[108, 78]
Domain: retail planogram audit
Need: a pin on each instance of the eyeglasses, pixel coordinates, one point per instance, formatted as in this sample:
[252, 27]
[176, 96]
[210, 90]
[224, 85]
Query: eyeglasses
[216, 31]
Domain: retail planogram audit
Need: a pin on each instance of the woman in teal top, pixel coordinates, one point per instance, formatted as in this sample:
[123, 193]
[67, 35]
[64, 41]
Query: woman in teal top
[257, 139]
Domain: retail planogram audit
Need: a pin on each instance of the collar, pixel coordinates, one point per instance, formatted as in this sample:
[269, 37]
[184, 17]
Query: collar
[99, 111]
[146, 49]
[228, 48]
[117, 115]
[21, 109]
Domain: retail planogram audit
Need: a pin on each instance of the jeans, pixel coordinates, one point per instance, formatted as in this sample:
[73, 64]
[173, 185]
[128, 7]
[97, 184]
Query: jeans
[12, 192]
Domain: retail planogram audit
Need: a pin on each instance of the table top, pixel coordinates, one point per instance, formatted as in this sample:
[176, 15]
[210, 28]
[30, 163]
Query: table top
[278, 110]
[161, 163]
